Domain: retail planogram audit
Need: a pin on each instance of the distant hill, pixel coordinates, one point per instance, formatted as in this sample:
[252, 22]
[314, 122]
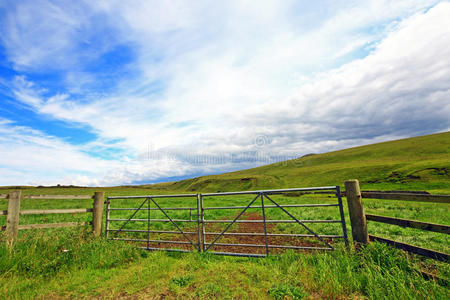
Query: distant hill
[418, 163]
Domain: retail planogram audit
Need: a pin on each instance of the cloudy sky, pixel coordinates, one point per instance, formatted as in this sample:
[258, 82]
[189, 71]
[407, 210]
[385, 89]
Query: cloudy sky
[127, 92]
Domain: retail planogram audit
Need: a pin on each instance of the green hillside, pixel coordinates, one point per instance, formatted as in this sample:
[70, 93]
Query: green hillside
[69, 263]
[418, 163]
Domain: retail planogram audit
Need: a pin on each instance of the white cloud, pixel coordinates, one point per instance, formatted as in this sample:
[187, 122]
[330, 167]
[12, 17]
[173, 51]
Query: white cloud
[231, 72]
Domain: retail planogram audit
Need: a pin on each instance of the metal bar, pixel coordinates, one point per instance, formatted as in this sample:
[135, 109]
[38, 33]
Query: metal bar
[271, 206]
[271, 246]
[301, 223]
[275, 234]
[229, 225]
[410, 223]
[237, 254]
[413, 249]
[272, 191]
[341, 212]
[153, 220]
[265, 229]
[165, 208]
[129, 219]
[232, 233]
[173, 222]
[153, 196]
[107, 219]
[148, 225]
[407, 197]
[227, 221]
[151, 241]
[203, 222]
[153, 231]
[274, 221]
[198, 225]
[166, 249]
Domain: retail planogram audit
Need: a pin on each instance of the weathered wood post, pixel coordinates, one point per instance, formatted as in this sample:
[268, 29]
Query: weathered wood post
[97, 213]
[12, 221]
[356, 212]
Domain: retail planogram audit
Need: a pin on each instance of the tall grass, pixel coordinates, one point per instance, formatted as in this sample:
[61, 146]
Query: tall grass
[70, 263]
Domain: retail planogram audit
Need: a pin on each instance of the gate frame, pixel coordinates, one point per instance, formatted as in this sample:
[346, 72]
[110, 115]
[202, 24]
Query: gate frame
[203, 246]
[264, 193]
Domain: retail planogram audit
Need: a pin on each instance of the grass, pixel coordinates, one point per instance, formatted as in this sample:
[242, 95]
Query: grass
[70, 263]
[38, 267]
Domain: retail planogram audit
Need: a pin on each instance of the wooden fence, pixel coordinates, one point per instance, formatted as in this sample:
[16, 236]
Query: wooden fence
[14, 212]
[359, 219]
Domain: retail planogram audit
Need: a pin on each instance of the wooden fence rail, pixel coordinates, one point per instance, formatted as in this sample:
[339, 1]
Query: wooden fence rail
[407, 197]
[359, 218]
[409, 223]
[14, 212]
[411, 248]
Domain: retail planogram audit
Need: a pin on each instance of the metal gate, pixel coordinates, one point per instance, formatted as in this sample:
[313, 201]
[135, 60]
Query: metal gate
[253, 223]
[175, 225]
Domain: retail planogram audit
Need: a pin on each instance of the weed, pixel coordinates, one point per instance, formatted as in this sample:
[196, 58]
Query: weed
[181, 281]
[281, 291]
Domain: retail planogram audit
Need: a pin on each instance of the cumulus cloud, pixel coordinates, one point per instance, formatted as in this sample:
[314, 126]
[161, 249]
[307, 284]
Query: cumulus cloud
[240, 85]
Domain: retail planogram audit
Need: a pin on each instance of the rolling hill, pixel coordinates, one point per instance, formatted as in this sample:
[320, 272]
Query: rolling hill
[418, 163]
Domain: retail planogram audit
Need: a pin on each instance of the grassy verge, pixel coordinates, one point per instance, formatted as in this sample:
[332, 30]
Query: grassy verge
[72, 264]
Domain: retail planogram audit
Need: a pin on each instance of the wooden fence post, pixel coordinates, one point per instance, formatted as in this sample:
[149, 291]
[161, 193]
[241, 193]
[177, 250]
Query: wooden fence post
[97, 213]
[12, 221]
[356, 211]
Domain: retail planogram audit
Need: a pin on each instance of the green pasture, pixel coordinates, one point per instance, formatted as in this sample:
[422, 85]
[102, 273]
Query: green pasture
[71, 263]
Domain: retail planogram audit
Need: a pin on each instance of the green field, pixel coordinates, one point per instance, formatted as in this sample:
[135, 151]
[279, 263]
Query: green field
[38, 266]
[420, 163]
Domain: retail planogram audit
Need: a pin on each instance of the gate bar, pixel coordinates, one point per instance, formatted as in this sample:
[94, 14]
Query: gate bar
[341, 212]
[271, 206]
[274, 221]
[198, 224]
[166, 249]
[165, 208]
[265, 229]
[203, 223]
[151, 241]
[228, 207]
[148, 225]
[234, 233]
[272, 191]
[153, 196]
[154, 220]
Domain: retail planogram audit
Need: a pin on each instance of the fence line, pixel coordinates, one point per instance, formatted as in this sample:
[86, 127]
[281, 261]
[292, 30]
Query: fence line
[359, 219]
[14, 212]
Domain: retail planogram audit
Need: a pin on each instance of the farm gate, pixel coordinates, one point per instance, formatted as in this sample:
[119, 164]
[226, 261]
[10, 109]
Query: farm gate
[247, 223]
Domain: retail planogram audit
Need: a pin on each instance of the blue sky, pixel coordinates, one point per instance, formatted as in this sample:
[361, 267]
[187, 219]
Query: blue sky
[127, 92]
